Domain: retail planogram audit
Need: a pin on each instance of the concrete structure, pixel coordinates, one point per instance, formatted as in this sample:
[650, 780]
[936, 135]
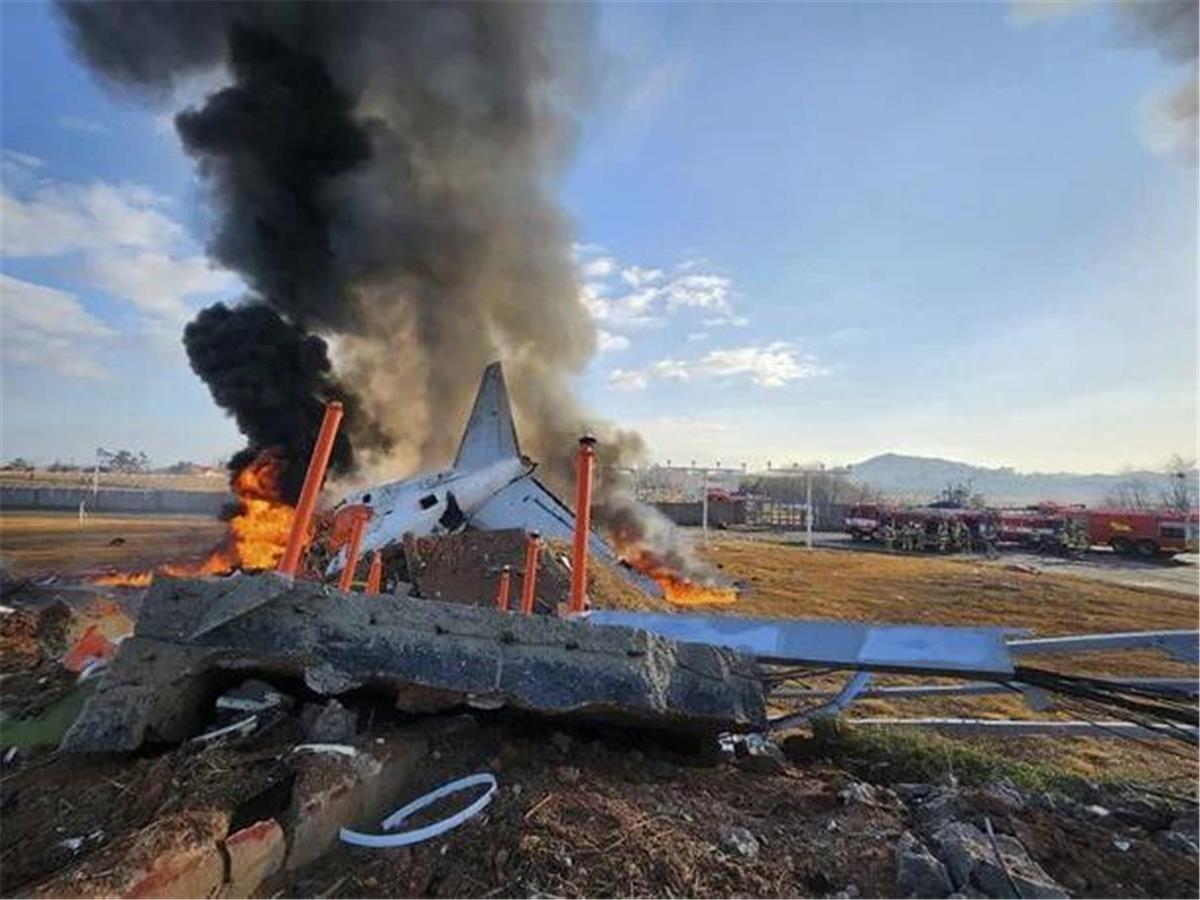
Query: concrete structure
[114, 500]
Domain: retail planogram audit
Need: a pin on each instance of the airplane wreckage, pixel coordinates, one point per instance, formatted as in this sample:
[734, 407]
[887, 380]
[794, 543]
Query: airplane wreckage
[702, 675]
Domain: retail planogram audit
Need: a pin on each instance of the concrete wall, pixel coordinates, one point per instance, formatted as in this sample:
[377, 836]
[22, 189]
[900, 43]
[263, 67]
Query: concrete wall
[113, 500]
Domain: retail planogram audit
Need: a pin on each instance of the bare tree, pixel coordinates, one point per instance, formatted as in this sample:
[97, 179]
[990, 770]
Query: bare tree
[1132, 492]
[1179, 492]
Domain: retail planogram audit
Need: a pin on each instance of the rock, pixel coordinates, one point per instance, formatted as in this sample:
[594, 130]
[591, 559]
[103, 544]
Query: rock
[918, 872]
[1177, 842]
[176, 856]
[1004, 796]
[759, 755]
[970, 861]
[330, 724]
[960, 845]
[1188, 823]
[858, 792]
[561, 742]
[1031, 879]
[255, 854]
[1143, 814]
[1096, 811]
[735, 839]
[936, 808]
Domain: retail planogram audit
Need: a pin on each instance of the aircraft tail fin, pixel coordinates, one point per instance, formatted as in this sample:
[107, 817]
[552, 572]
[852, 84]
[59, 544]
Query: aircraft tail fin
[491, 435]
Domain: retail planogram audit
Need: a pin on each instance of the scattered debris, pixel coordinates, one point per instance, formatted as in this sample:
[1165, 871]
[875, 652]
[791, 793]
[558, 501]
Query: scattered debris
[741, 841]
[419, 835]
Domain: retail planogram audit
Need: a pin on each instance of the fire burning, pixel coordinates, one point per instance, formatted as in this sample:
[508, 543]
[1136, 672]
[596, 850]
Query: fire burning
[677, 587]
[256, 537]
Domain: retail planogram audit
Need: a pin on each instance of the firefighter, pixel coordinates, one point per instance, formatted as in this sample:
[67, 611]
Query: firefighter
[887, 536]
[942, 536]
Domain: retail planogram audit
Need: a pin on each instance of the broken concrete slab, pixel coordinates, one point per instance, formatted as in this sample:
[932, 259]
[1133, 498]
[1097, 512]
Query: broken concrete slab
[255, 853]
[333, 790]
[429, 655]
[176, 856]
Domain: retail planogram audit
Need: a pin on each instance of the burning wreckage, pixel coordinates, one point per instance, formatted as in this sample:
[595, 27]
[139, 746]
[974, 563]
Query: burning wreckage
[227, 668]
[442, 634]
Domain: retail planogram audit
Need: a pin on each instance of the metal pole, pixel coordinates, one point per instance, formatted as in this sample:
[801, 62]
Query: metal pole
[704, 508]
[502, 590]
[375, 573]
[346, 579]
[313, 479]
[529, 580]
[808, 507]
[583, 519]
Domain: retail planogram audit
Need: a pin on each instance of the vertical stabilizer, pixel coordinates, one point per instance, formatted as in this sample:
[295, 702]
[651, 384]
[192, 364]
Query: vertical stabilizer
[491, 435]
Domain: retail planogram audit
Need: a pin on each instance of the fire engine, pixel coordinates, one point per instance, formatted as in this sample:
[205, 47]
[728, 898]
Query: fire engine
[1045, 527]
[1145, 532]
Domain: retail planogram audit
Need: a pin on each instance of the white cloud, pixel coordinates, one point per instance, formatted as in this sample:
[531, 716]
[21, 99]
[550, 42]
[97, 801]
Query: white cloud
[61, 217]
[769, 366]
[636, 276]
[608, 341]
[79, 123]
[156, 283]
[116, 238]
[627, 297]
[697, 336]
[49, 329]
[701, 291]
[628, 380]
[601, 267]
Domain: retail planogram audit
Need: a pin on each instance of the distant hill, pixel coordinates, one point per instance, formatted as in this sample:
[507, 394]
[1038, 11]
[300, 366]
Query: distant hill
[921, 478]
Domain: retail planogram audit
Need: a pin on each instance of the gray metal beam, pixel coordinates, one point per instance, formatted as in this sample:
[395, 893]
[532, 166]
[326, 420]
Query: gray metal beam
[931, 649]
[1021, 728]
[1189, 687]
[1181, 645]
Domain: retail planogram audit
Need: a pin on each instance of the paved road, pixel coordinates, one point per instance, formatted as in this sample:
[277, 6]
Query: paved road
[1180, 575]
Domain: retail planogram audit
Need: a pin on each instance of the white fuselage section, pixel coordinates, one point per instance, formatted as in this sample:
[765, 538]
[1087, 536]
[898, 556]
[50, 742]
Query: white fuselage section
[419, 504]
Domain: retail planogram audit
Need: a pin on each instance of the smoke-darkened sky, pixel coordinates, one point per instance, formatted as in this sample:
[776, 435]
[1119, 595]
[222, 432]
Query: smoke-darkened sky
[802, 232]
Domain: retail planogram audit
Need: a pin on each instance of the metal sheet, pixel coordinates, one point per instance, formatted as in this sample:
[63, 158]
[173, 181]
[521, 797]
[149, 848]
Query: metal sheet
[1181, 645]
[858, 645]
[1023, 728]
[1188, 687]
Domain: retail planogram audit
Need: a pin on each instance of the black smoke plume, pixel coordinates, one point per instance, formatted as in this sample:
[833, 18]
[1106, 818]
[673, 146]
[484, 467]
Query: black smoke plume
[274, 378]
[382, 175]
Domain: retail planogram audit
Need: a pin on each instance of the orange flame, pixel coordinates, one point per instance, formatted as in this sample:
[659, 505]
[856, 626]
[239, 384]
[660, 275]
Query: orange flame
[677, 588]
[256, 538]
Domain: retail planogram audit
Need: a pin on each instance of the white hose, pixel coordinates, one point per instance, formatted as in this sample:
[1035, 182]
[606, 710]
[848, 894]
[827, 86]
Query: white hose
[417, 835]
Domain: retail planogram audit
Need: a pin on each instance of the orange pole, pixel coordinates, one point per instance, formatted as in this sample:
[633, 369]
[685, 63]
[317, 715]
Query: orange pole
[375, 573]
[313, 480]
[346, 579]
[529, 582]
[577, 599]
[502, 590]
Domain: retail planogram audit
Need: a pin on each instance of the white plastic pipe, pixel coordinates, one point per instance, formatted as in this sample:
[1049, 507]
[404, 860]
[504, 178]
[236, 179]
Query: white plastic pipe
[417, 835]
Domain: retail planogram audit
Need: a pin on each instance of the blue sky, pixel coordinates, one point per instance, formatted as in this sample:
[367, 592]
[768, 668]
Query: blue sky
[817, 231]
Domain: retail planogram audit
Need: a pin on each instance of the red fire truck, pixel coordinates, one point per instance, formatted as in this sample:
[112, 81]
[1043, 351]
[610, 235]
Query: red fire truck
[1046, 527]
[1145, 532]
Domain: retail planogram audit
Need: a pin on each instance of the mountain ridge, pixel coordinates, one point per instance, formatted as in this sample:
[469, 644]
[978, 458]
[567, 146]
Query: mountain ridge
[923, 478]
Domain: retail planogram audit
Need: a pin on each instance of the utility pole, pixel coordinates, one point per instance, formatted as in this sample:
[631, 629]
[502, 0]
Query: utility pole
[704, 508]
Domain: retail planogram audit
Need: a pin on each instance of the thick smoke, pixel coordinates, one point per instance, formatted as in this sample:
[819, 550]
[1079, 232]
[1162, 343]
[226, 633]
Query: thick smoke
[1172, 27]
[274, 378]
[382, 175]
